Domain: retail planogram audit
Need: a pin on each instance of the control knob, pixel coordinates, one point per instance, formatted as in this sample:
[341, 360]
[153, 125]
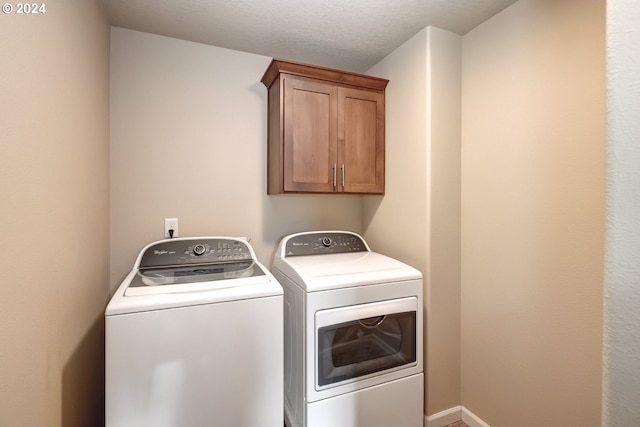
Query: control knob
[199, 249]
[326, 242]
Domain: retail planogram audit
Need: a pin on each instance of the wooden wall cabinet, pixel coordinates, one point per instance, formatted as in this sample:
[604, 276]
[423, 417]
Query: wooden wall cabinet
[325, 130]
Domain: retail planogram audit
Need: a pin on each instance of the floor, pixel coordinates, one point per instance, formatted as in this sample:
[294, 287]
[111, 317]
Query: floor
[456, 424]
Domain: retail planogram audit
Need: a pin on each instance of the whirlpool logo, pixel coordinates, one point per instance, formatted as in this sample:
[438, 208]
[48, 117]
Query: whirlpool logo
[163, 252]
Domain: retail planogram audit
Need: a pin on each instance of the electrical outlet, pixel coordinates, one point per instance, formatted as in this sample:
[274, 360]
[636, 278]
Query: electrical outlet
[170, 224]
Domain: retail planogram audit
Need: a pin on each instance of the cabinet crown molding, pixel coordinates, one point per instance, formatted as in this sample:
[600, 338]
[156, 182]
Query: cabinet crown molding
[278, 66]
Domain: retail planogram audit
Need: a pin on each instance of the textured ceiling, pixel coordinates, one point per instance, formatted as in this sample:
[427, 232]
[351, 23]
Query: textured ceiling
[347, 34]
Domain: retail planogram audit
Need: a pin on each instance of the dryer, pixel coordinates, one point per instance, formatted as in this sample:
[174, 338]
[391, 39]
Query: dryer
[353, 333]
[194, 338]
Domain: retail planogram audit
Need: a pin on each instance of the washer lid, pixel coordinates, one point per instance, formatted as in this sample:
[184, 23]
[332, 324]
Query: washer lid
[128, 300]
[148, 281]
[182, 272]
[321, 272]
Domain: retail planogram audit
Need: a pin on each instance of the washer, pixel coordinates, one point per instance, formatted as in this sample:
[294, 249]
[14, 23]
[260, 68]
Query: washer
[353, 333]
[194, 338]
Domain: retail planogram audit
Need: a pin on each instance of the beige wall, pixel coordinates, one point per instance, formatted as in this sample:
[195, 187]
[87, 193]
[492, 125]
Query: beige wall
[533, 214]
[443, 214]
[396, 222]
[188, 140]
[54, 135]
[418, 220]
[622, 291]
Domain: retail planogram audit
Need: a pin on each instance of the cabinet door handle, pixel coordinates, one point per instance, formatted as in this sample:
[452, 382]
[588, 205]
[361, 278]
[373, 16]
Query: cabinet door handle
[342, 170]
[335, 171]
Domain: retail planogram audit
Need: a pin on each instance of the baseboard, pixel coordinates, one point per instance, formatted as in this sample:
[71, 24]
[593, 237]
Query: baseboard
[457, 413]
[443, 418]
[471, 419]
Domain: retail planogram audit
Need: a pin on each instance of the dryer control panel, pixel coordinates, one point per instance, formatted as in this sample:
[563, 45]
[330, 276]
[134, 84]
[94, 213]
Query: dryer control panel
[324, 242]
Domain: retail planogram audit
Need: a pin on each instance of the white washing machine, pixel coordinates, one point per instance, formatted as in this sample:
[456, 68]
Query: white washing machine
[194, 338]
[353, 333]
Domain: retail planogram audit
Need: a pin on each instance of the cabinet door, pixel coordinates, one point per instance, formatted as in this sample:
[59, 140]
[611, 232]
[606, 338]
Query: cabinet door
[361, 141]
[310, 135]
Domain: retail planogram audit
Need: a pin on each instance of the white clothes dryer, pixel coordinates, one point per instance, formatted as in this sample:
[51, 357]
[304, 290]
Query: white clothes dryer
[353, 333]
[194, 338]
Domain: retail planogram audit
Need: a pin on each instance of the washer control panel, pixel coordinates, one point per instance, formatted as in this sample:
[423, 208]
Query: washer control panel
[324, 242]
[195, 251]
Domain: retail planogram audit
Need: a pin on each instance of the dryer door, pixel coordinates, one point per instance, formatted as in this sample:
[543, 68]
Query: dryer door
[366, 340]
